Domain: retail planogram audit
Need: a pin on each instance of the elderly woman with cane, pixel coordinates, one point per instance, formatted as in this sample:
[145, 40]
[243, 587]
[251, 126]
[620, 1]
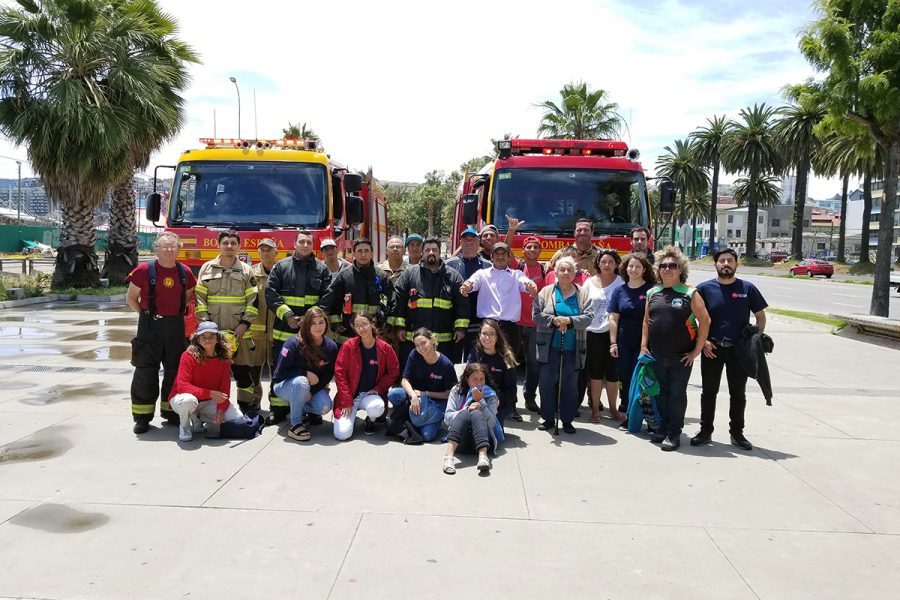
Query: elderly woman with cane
[562, 313]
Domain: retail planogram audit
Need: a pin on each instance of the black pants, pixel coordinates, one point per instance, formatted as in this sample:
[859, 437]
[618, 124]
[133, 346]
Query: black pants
[247, 379]
[673, 379]
[711, 370]
[281, 410]
[158, 342]
[470, 431]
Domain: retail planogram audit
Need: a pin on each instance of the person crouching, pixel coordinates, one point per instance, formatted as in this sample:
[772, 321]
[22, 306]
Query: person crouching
[471, 417]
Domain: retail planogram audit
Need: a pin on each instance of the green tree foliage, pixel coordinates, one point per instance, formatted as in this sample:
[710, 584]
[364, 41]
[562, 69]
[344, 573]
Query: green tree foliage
[80, 83]
[707, 147]
[582, 114]
[681, 165]
[855, 45]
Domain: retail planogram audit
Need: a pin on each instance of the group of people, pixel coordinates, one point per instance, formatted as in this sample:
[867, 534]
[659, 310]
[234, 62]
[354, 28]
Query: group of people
[388, 336]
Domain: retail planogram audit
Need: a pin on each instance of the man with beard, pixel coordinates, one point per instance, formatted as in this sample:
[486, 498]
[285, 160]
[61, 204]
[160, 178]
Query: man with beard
[729, 301]
[467, 263]
[640, 241]
[427, 295]
[586, 252]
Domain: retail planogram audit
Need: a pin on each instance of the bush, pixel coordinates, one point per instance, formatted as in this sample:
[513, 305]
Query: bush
[33, 285]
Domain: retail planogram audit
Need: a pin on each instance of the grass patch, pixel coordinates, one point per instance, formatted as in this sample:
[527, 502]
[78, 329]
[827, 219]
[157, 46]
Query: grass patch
[854, 281]
[862, 268]
[112, 290]
[755, 262]
[808, 316]
[33, 285]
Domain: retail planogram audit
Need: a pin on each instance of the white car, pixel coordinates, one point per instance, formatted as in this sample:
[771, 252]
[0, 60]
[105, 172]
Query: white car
[895, 280]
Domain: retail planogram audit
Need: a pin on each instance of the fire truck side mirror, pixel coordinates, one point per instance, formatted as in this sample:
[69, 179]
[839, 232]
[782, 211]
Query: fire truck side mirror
[352, 183]
[154, 205]
[667, 191]
[354, 209]
[470, 209]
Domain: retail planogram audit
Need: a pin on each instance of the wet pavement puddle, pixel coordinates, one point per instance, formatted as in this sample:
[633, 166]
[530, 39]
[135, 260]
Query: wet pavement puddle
[39, 446]
[66, 393]
[39, 319]
[25, 333]
[15, 385]
[59, 518]
[105, 353]
[131, 321]
[16, 350]
[103, 335]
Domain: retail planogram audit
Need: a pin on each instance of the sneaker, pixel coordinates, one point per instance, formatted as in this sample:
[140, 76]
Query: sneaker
[568, 428]
[484, 463]
[531, 405]
[275, 417]
[184, 433]
[546, 425]
[312, 419]
[657, 436]
[370, 427]
[197, 426]
[449, 465]
[141, 427]
[738, 439]
[702, 438]
[514, 415]
[670, 443]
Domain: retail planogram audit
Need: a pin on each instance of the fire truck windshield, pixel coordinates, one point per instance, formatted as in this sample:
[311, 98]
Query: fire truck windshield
[551, 200]
[249, 193]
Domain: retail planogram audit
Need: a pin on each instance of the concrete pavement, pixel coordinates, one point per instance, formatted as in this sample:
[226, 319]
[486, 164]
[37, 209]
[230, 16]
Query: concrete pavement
[87, 510]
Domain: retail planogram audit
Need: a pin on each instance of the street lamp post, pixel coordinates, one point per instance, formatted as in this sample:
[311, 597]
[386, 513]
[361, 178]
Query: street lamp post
[234, 81]
[19, 199]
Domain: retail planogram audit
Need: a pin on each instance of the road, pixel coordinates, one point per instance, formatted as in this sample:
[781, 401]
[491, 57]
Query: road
[818, 295]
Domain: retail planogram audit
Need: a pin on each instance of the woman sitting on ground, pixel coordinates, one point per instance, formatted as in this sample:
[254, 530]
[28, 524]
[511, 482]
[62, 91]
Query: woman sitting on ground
[493, 351]
[304, 370]
[420, 402]
[471, 416]
[200, 392]
[366, 368]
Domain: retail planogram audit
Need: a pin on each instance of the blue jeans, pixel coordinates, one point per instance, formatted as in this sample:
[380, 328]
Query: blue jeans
[296, 392]
[673, 379]
[400, 401]
[566, 390]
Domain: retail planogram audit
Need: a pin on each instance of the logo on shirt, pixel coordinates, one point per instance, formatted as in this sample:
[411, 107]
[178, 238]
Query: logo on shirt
[495, 370]
[435, 376]
[168, 282]
[737, 295]
[372, 362]
[284, 351]
[322, 363]
[677, 303]
[642, 297]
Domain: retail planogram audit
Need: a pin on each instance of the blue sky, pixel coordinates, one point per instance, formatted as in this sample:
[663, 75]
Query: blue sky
[409, 87]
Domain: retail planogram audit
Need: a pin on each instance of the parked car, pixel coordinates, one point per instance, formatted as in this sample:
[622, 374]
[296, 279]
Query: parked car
[895, 280]
[777, 256]
[813, 267]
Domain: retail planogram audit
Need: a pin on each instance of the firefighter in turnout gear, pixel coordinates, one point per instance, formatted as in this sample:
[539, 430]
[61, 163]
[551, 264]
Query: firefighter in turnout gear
[362, 288]
[295, 284]
[262, 328]
[427, 295]
[226, 295]
[159, 291]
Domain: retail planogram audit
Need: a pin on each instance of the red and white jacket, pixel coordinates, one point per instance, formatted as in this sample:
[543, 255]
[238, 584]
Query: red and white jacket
[198, 379]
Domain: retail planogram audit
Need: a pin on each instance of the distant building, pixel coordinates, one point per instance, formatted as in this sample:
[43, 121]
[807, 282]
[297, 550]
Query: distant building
[788, 189]
[875, 222]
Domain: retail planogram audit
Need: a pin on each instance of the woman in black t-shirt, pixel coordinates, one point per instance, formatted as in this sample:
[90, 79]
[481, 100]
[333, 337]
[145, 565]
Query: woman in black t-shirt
[492, 350]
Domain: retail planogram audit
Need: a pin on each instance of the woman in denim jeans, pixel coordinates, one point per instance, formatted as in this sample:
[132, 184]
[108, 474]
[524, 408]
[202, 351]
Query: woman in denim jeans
[304, 370]
[676, 324]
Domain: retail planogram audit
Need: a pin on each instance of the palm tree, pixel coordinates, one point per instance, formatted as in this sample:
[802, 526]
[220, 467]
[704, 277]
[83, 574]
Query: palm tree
[707, 143]
[696, 205]
[299, 132]
[152, 35]
[750, 146]
[796, 137]
[682, 166]
[583, 114]
[77, 88]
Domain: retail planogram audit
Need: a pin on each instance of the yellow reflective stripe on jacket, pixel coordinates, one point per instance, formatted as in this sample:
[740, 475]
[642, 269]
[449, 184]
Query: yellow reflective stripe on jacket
[366, 308]
[251, 310]
[143, 409]
[461, 324]
[395, 321]
[441, 303]
[258, 327]
[300, 300]
[440, 337]
[249, 292]
[201, 288]
[282, 311]
[430, 303]
[276, 401]
[282, 336]
[225, 299]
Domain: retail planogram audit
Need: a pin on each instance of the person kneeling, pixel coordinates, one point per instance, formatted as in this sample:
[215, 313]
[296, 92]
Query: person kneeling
[366, 368]
[304, 370]
[472, 419]
[200, 393]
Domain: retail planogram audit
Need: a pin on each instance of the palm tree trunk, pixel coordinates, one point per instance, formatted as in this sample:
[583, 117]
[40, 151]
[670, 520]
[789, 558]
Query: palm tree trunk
[752, 210]
[800, 207]
[881, 290]
[76, 259]
[713, 198]
[674, 211]
[694, 237]
[122, 242]
[867, 216]
[842, 231]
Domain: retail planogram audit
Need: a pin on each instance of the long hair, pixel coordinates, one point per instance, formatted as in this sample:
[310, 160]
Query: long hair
[464, 386]
[312, 354]
[223, 348]
[503, 347]
[649, 273]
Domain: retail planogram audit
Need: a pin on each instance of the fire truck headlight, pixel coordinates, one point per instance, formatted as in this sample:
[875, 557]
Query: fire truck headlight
[634, 154]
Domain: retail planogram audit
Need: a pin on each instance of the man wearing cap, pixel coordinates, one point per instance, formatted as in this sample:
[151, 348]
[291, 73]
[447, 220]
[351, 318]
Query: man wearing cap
[159, 291]
[427, 295]
[363, 288]
[295, 284]
[261, 328]
[586, 252]
[226, 294]
[414, 243]
[489, 236]
[330, 257]
[467, 263]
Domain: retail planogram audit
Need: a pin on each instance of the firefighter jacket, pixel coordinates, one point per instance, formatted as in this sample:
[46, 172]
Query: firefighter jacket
[295, 284]
[423, 298]
[262, 328]
[357, 289]
[227, 296]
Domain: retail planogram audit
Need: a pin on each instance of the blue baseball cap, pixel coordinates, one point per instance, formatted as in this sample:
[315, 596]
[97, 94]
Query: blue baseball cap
[469, 230]
[413, 237]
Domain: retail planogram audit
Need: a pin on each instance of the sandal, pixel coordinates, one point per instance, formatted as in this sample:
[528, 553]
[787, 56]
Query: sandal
[299, 433]
[449, 465]
[595, 418]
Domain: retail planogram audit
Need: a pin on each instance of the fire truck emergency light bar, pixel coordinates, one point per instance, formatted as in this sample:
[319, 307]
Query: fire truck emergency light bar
[292, 143]
[518, 147]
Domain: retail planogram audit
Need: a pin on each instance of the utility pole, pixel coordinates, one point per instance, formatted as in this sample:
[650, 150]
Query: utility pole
[234, 81]
[255, 131]
[19, 203]
[214, 124]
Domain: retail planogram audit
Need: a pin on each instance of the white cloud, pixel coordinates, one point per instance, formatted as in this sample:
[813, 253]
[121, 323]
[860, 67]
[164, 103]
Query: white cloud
[409, 87]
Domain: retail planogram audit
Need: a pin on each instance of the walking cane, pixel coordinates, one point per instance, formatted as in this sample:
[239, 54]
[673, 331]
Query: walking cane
[562, 354]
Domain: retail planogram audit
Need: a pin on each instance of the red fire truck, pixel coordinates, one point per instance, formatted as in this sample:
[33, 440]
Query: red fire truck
[268, 189]
[552, 183]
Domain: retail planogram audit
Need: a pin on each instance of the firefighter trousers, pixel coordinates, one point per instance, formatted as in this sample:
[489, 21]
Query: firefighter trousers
[159, 341]
[247, 379]
[277, 405]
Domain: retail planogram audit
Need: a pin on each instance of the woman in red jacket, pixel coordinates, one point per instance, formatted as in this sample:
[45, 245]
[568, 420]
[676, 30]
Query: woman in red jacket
[200, 392]
[366, 367]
